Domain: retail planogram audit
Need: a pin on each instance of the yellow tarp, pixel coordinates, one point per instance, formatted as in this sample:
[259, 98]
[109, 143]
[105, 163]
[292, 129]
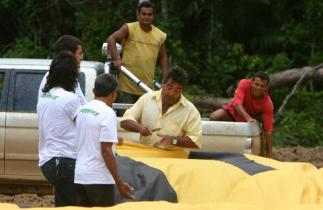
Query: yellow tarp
[132, 149]
[210, 184]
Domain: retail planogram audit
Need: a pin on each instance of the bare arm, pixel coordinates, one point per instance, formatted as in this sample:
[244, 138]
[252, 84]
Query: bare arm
[131, 125]
[163, 60]
[269, 144]
[107, 154]
[117, 36]
[242, 112]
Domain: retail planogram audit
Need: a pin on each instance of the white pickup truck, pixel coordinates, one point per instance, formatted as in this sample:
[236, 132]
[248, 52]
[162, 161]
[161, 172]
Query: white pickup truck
[19, 82]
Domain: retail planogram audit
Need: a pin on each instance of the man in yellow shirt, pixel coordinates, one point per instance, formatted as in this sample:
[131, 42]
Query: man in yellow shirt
[165, 118]
[142, 44]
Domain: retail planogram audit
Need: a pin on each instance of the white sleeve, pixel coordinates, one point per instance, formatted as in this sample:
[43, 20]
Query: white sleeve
[108, 131]
[77, 111]
[42, 85]
[80, 95]
[71, 107]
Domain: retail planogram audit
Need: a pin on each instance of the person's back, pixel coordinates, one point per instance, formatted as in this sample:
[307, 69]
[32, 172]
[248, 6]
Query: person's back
[91, 118]
[56, 110]
[96, 172]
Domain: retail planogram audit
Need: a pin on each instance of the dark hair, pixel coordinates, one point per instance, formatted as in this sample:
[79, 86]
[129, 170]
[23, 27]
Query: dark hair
[262, 76]
[147, 4]
[67, 43]
[104, 85]
[178, 75]
[63, 72]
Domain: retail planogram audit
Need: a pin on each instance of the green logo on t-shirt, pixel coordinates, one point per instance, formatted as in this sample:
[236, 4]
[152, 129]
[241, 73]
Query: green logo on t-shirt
[91, 111]
[49, 96]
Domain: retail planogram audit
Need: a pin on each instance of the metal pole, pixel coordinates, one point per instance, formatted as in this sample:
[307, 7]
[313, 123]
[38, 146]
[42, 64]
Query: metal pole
[135, 79]
[124, 70]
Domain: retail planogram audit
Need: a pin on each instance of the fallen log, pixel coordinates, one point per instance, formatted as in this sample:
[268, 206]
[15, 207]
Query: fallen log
[208, 102]
[291, 76]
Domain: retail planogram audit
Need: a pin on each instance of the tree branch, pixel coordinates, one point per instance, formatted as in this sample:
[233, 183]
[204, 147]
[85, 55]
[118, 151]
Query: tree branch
[282, 106]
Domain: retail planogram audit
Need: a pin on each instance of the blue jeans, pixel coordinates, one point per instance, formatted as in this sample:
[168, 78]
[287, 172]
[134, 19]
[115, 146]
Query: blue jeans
[59, 171]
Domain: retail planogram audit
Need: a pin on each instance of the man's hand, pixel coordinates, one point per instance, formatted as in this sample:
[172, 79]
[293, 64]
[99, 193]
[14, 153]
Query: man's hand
[125, 190]
[165, 139]
[243, 113]
[144, 131]
[117, 64]
[120, 140]
[250, 119]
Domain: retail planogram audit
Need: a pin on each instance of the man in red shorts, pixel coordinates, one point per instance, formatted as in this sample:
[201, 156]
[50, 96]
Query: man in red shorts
[251, 101]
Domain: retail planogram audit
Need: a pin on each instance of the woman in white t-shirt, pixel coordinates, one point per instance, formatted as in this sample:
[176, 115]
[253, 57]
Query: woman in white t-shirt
[56, 110]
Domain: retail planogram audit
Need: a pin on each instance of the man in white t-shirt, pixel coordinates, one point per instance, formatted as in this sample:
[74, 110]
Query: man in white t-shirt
[96, 170]
[56, 110]
[75, 46]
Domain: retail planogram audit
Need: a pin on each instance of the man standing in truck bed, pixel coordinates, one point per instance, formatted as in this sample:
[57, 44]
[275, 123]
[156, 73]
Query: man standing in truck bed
[142, 44]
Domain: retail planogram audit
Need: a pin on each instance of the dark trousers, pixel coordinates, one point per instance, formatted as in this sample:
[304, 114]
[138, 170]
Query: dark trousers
[94, 195]
[59, 172]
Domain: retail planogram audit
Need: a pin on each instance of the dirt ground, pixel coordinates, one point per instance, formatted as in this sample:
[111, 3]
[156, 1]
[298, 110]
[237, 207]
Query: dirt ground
[293, 154]
[300, 154]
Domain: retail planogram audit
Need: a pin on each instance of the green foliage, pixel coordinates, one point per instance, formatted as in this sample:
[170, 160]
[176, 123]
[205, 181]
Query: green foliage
[4, 3]
[25, 48]
[301, 124]
[298, 129]
[98, 20]
[280, 62]
[217, 42]
[230, 67]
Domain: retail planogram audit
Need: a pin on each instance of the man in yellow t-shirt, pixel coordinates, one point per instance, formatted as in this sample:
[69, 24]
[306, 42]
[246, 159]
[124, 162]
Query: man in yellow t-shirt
[165, 118]
[142, 44]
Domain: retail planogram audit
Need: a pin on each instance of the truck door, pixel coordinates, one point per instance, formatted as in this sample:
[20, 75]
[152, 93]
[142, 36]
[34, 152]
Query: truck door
[21, 157]
[4, 82]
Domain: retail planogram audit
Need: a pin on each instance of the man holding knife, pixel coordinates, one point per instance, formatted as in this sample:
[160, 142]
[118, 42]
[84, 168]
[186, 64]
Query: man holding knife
[165, 118]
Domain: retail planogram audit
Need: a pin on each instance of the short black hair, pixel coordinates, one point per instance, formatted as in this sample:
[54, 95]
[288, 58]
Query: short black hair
[147, 4]
[62, 73]
[104, 85]
[177, 75]
[262, 75]
[67, 43]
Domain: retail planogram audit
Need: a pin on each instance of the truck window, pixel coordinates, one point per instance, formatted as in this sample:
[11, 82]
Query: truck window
[2, 92]
[82, 81]
[26, 90]
[1, 83]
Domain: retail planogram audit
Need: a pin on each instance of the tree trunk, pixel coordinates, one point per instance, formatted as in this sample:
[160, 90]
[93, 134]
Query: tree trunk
[207, 102]
[290, 77]
[164, 9]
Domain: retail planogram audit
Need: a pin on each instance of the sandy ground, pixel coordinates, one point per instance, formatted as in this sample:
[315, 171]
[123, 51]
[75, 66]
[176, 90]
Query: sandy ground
[293, 154]
[300, 154]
